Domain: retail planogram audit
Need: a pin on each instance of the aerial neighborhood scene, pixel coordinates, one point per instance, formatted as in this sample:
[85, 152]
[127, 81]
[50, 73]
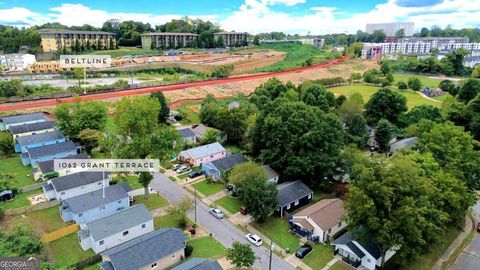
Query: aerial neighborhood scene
[240, 134]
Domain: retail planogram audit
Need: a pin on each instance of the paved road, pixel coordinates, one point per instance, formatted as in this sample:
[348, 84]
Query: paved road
[224, 231]
[469, 259]
[164, 88]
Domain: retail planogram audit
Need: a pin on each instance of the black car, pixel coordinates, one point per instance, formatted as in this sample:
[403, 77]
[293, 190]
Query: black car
[303, 251]
[194, 174]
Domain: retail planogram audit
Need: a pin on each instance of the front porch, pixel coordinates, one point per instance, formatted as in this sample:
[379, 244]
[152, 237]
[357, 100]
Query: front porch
[348, 258]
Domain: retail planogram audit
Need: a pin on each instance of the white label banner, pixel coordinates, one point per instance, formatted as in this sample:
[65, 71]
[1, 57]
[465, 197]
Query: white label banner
[88, 61]
[106, 165]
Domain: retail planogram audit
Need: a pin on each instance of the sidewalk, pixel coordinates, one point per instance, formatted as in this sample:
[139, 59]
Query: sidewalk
[453, 246]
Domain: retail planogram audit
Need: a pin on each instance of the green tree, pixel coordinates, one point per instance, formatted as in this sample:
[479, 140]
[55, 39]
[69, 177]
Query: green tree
[75, 117]
[241, 255]
[179, 212]
[402, 85]
[469, 90]
[256, 41]
[78, 74]
[418, 113]
[209, 114]
[473, 113]
[384, 132]
[414, 83]
[244, 172]
[318, 96]
[77, 46]
[356, 49]
[137, 116]
[446, 85]
[385, 104]
[20, 242]
[221, 41]
[233, 123]
[385, 68]
[379, 36]
[210, 137]
[222, 71]
[400, 33]
[88, 46]
[355, 123]
[6, 143]
[90, 138]
[144, 180]
[164, 109]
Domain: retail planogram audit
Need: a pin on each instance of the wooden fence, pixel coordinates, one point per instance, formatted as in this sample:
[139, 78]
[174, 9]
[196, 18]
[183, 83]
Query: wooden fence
[49, 237]
[31, 208]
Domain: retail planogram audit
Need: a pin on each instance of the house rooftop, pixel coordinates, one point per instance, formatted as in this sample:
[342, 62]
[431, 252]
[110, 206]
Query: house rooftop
[77, 179]
[289, 192]
[22, 118]
[146, 249]
[47, 166]
[203, 151]
[51, 149]
[39, 138]
[229, 162]
[407, 142]
[81, 203]
[368, 244]
[24, 128]
[199, 264]
[233, 104]
[271, 173]
[325, 213]
[118, 222]
[185, 133]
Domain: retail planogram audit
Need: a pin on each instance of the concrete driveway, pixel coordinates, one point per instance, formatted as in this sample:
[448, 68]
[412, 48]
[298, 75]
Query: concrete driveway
[469, 259]
[222, 229]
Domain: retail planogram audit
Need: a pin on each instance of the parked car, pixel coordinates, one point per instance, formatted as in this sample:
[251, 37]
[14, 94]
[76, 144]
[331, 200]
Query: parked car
[176, 166]
[191, 230]
[478, 227]
[254, 239]
[195, 174]
[303, 251]
[182, 169]
[216, 212]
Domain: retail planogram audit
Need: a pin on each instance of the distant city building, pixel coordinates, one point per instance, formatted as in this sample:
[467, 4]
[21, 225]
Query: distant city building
[435, 42]
[391, 28]
[316, 42]
[472, 61]
[54, 40]
[16, 61]
[165, 40]
[371, 51]
[232, 39]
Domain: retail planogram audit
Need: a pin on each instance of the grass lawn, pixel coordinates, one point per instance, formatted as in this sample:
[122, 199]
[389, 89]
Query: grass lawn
[413, 99]
[340, 266]
[21, 199]
[41, 222]
[155, 201]
[191, 110]
[208, 189]
[183, 176]
[14, 172]
[233, 149]
[426, 80]
[167, 221]
[131, 179]
[277, 229]
[207, 247]
[230, 203]
[123, 51]
[67, 251]
[319, 257]
[172, 178]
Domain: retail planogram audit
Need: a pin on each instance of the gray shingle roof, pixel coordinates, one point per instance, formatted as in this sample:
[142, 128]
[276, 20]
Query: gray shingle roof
[368, 244]
[51, 149]
[407, 142]
[32, 127]
[94, 199]
[186, 133]
[271, 173]
[229, 162]
[199, 264]
[39, 138]
[146, 249]
[77, 179]
[289, 192]
[22, 118]
[119, 222]
[47, 166]
[203, 151]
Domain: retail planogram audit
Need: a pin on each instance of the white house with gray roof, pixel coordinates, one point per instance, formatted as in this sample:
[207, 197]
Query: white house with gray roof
[116, 229]
[199, 264]
[159, 249]
[32, 128]
[202, 154]
[96, 204]
[75, 184]
[8, 121]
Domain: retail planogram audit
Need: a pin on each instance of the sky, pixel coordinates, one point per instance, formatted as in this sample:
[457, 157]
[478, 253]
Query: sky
[253, 16]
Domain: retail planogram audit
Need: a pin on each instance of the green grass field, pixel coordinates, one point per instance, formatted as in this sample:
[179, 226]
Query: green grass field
[426, 80]
[124, 51]
[276, 229]
[67, 251]
[21, 199]
[192, 116]
[207, 247]
[167, 221]
[208, 189]
[155, 201]
[231, 204]
[413, 99]
[319, 257]
[340, 266]
[12, 170]
[132, 180]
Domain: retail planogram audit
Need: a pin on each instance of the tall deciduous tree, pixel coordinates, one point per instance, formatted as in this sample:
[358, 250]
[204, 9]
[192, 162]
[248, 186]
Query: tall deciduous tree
[385, 104]
[319, 97]
[164, 113]
[469, 90]
[241, 255]
[90, 138]
[6, 143]
[75, 117]
[144, 180]
[233, 123]
[384, 132]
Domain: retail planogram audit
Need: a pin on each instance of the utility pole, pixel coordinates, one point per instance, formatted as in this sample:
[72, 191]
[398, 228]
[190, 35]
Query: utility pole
[272, 247]
[84, 79]
[195, 195]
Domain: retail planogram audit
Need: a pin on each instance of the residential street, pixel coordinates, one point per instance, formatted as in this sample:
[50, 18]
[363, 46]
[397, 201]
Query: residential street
[224, 231]
[469, 259]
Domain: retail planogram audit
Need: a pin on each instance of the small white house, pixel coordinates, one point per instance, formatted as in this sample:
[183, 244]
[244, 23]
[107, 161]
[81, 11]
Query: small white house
[116, 229]
[360, 254]
[76, 184]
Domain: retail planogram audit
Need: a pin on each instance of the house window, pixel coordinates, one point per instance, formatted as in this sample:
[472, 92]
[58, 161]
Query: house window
[80, 215]
[288, 207]
[101, 242]
[99, 183]
[119, 202]
[368, 260]
[174, 256]
[125, 233]
[102, 207]
[296, 202]
[310, 196]
[154, 265]
[143, 226]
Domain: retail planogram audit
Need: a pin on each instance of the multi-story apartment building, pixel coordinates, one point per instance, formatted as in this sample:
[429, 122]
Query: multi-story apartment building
[435, 42]
[232, 39]
[54, 40]
[316, 42]
[391, 28]
[166, 40]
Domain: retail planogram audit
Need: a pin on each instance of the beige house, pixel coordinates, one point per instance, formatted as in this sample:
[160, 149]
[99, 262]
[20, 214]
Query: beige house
[321, 221]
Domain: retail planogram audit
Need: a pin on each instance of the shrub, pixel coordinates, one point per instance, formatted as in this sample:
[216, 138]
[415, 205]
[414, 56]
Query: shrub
[188, 250]
[414, 83]
[402, 85]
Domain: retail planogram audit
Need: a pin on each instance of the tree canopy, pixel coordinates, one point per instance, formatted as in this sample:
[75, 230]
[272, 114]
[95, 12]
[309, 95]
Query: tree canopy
[385, 104]
[75, 117]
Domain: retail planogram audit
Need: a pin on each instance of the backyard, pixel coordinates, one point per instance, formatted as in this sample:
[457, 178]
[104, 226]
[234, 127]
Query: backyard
[207, 247]
[21, 199]
[167, 221]
[154, 201]
[208, 189]
[277, 229]
[230, 203]
[12, 170]
[67, 251]
[43, 221]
